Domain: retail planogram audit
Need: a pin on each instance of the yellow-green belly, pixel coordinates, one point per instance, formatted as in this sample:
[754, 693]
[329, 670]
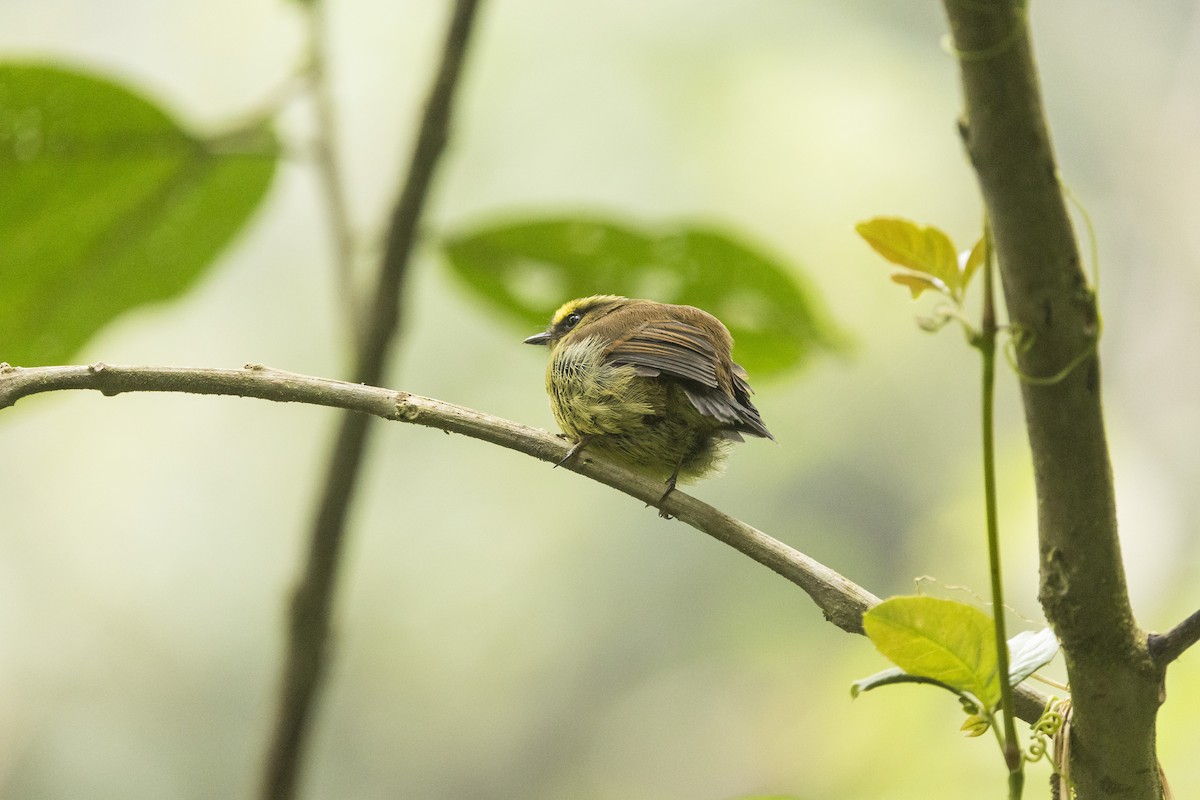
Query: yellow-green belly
[646, 424]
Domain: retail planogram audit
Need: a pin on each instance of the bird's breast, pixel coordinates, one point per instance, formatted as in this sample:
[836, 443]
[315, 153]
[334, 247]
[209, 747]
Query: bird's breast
[590, 396]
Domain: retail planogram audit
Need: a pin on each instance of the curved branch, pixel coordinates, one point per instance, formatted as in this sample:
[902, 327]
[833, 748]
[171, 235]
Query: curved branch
[841, 600]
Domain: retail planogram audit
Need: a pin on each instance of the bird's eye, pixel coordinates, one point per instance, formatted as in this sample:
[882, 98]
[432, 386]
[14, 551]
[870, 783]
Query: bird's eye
[571, 321]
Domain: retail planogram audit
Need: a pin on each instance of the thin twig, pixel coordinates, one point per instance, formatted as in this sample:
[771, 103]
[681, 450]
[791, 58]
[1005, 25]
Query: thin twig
[313, 598]
[329, 167]
[839, 599]
[1166, 647]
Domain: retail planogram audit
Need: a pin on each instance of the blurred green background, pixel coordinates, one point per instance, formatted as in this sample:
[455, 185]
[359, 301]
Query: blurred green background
[508, 631]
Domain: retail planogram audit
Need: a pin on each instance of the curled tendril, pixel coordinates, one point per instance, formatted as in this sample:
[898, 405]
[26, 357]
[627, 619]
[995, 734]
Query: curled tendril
[1093, 247]
[1045, 729]
[1053, 728]
[935, 321]
[1021, 340]
[945, 313]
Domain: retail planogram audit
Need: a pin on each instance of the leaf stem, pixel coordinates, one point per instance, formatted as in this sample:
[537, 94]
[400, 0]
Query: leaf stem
[986, 343]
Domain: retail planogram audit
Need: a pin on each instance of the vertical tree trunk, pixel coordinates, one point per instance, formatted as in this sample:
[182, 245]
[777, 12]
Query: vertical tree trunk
[1115, 684]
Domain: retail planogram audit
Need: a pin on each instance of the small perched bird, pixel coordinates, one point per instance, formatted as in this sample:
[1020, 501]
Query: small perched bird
[652, 387]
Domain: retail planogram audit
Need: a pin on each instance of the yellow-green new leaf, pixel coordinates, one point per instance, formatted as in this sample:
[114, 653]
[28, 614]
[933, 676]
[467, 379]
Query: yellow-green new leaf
[975, 725]
[918, 282]
[944, 640]
[973, 262]
[918, 248]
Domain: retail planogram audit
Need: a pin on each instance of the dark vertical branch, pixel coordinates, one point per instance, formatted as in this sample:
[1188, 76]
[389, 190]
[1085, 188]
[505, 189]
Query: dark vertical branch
[308, 631]
[1052, 311]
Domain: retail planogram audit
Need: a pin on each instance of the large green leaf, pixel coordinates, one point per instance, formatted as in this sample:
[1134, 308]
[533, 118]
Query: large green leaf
[526, 269]
[107, 203]
[943, 640]
[1028, 651]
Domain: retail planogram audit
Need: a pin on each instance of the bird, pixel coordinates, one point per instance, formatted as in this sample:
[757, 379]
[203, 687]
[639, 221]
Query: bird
[650, 386]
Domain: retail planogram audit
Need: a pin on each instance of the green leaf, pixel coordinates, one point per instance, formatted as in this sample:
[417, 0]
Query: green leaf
[1029, 651]
[922, 250]
[526, 269]
[106, 204]
[944, 640]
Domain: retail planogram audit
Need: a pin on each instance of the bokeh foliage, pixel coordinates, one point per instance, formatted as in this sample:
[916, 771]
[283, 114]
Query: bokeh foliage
[526, 268]
[107, 203]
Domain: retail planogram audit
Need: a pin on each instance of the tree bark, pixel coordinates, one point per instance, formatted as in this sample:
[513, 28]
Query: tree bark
[1053, 316]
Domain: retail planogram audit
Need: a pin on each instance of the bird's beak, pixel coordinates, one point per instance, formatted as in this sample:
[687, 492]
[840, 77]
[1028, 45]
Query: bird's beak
[539, 338]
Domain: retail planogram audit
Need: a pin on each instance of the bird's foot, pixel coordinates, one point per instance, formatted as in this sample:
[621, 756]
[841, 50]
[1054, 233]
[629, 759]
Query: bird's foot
[665, 495]
[572, 453]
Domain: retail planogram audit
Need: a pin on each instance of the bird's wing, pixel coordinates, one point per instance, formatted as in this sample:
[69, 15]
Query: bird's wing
[669, 347]
[682, 351]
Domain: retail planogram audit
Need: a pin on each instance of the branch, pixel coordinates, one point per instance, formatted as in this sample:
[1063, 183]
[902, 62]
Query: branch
[1166, 647]
[842, 601]
[329, 166]
[839, 599]
[1051, 305]
[1052, 308]
[312, 599]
